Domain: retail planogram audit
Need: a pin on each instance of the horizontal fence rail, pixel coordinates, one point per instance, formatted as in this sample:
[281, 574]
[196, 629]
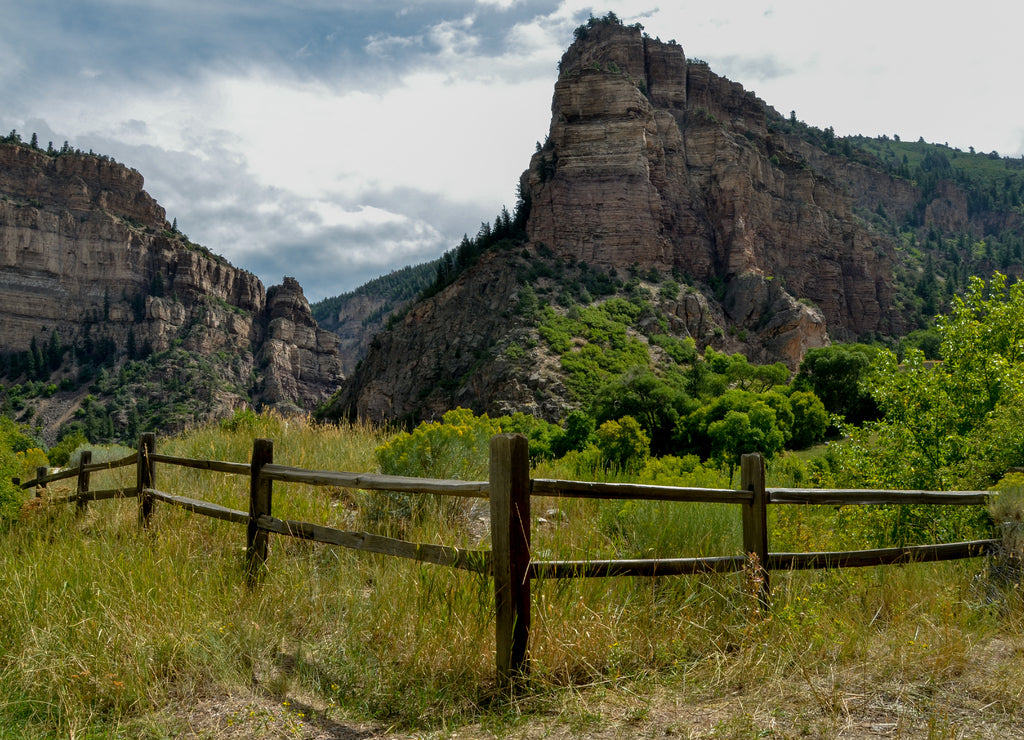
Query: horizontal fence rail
[370, 482]
[214, 511]
[883, 556]
[509, 489]
[636, 492]
[870, 497]
[217, 466]
[65, 473]
[104, 495]
[636, 567]
[474, 560]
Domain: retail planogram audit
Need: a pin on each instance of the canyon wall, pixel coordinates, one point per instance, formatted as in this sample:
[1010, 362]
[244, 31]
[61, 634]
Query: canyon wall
[85, 251]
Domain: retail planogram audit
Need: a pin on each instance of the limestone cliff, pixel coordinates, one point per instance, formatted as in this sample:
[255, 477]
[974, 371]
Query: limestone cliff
[86, 252]
[650, 164]
[300, 360]
[784, 237]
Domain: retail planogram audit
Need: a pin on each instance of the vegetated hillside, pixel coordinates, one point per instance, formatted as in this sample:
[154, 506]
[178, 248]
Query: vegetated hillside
[356, 316]
[723, 222]
[114, 321]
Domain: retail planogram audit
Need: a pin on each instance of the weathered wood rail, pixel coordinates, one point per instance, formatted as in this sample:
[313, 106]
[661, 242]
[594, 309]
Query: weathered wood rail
[509, 490]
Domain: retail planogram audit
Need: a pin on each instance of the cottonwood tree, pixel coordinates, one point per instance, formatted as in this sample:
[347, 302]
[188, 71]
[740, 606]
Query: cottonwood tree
[954, 423]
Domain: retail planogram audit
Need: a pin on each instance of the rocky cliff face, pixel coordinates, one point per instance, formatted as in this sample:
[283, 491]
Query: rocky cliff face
[357, 316]
[656, 166]
[445, 352]
[300, 360]
[656, 161]
[85, 251]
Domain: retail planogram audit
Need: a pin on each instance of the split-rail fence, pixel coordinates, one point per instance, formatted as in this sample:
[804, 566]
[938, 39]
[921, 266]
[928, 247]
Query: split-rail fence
[509, 490]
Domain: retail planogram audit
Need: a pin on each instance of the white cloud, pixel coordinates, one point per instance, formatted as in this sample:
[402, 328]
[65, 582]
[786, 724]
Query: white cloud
[382, 147]
[385, 45]
[454, 38]
[502, 4]
[434, 131]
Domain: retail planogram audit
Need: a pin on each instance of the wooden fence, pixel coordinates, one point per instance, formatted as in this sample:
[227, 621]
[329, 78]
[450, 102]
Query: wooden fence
[509, 490]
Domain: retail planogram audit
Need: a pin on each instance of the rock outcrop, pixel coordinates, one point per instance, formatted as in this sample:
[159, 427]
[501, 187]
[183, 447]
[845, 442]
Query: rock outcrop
[357, 316]
[656, 166]
[444, 352]
[657, 161]
[297, 356]
[86, 252]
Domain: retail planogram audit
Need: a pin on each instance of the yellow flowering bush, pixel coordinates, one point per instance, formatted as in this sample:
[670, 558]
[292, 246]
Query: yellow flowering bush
[457, 447]
[29, 460]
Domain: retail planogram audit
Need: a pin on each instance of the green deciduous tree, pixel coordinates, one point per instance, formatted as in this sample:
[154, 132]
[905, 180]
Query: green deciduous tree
[770, 415]
[577, 434]
[649, 399]
[741, 374]
[810, 420]
[740, 432]
[624, 444]
[836, 375]
[956, 423]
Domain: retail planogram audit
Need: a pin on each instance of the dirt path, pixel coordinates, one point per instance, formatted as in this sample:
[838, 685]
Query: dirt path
[607, 715]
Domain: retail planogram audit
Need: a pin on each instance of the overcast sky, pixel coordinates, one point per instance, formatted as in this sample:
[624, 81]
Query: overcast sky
[336, 140]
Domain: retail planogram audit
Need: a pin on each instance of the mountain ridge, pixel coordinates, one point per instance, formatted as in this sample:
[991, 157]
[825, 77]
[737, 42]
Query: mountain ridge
[784, 237]
[91, 269]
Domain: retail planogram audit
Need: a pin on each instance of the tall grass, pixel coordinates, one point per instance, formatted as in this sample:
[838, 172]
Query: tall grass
[106, 630]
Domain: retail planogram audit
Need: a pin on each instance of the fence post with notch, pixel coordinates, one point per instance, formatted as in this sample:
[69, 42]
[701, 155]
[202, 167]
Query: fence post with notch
[41, 472]
[260, 497]
[510, 544]
[83, 481]
[145, 477]
[755, 525]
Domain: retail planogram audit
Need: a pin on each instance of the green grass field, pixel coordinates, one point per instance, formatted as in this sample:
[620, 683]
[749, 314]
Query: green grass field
[108, 631]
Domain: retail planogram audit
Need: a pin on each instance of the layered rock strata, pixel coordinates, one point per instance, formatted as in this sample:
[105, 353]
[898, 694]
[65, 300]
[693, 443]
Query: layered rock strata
[655, 161]
[85, 251]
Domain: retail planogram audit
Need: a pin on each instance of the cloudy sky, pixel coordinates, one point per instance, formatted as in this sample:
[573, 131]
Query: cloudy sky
[337, 140]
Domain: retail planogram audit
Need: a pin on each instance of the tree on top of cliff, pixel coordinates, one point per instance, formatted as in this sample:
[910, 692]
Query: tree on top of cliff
[508, 231]
[610, 19]
[15, 138]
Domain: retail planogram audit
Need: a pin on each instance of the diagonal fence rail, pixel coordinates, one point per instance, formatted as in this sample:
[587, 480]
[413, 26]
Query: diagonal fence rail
[509, 489]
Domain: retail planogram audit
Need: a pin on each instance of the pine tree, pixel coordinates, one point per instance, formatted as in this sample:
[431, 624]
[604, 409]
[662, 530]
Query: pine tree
[54, 351]
[36, 367]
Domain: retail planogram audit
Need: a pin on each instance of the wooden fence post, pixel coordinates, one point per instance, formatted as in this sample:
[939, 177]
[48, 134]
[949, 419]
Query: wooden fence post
[260, 497]
[510, 546]
[145, 477]
[83, 480]
[41, 472]
[755, 524]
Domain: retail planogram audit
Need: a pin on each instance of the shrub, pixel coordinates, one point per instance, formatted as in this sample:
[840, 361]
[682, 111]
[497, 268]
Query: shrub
[541, 434]
[29, 461]
[10, 495]
[669, 290]
[242, 419]
[810, 420]
[577, 434]
[623, 444]
[60, 453]
[457, 447]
